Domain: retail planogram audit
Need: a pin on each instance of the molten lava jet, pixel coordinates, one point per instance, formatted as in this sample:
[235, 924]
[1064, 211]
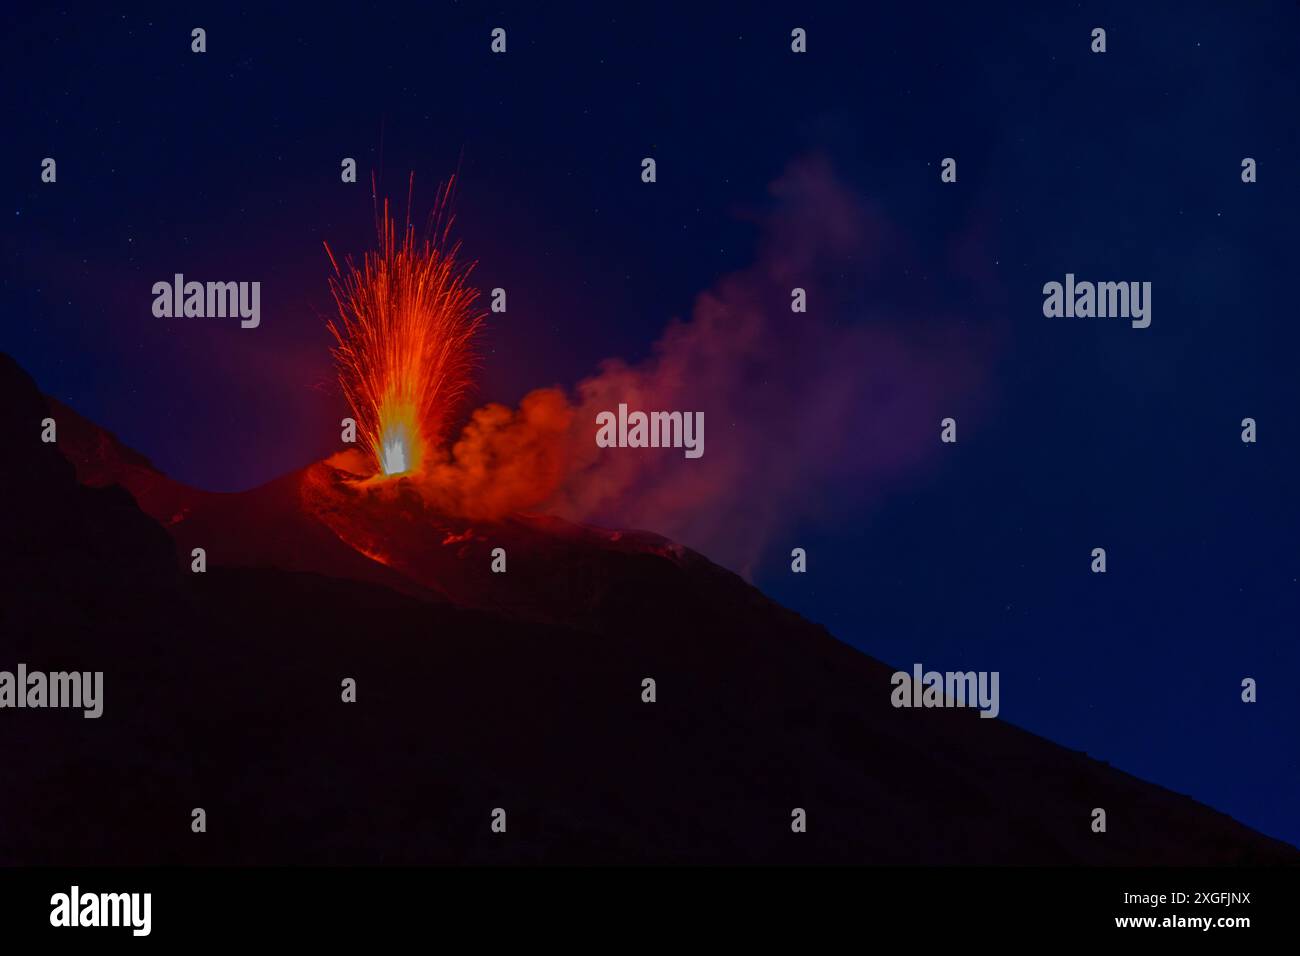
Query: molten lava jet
[406, 326]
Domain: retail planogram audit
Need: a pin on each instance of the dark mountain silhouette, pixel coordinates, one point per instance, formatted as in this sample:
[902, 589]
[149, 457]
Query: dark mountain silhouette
[475, 691]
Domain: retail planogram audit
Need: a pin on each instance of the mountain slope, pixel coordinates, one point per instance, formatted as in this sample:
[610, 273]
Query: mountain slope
[476, 691]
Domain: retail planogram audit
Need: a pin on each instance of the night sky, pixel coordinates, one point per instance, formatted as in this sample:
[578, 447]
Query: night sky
[1077, 433]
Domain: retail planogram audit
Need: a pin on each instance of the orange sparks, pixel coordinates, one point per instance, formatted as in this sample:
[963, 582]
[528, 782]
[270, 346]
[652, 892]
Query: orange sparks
[407, 321]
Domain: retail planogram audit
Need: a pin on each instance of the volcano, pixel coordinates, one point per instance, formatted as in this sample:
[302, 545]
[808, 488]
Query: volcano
[478, 690]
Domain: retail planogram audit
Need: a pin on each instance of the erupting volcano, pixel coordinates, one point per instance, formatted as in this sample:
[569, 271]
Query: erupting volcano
[405, 332]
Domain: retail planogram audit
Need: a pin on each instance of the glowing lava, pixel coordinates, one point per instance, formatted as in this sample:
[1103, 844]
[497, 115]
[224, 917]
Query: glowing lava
[393, 461]
[407, 322]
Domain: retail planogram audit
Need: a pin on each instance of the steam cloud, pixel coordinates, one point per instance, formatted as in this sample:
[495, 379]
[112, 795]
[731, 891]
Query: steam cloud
[505, 461]
[842, 398]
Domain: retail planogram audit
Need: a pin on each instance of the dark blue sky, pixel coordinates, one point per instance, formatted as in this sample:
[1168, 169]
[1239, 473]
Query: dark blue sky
[1121, 166]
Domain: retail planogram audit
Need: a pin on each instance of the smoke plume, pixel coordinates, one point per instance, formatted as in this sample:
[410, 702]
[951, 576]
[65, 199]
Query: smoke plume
[840, 401]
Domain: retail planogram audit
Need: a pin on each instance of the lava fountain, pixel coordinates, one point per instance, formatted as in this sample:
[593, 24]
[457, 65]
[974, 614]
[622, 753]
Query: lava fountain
[405, 333]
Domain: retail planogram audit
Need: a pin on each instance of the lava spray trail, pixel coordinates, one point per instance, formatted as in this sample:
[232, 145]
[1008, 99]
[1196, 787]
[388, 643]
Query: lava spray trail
[406, 326]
